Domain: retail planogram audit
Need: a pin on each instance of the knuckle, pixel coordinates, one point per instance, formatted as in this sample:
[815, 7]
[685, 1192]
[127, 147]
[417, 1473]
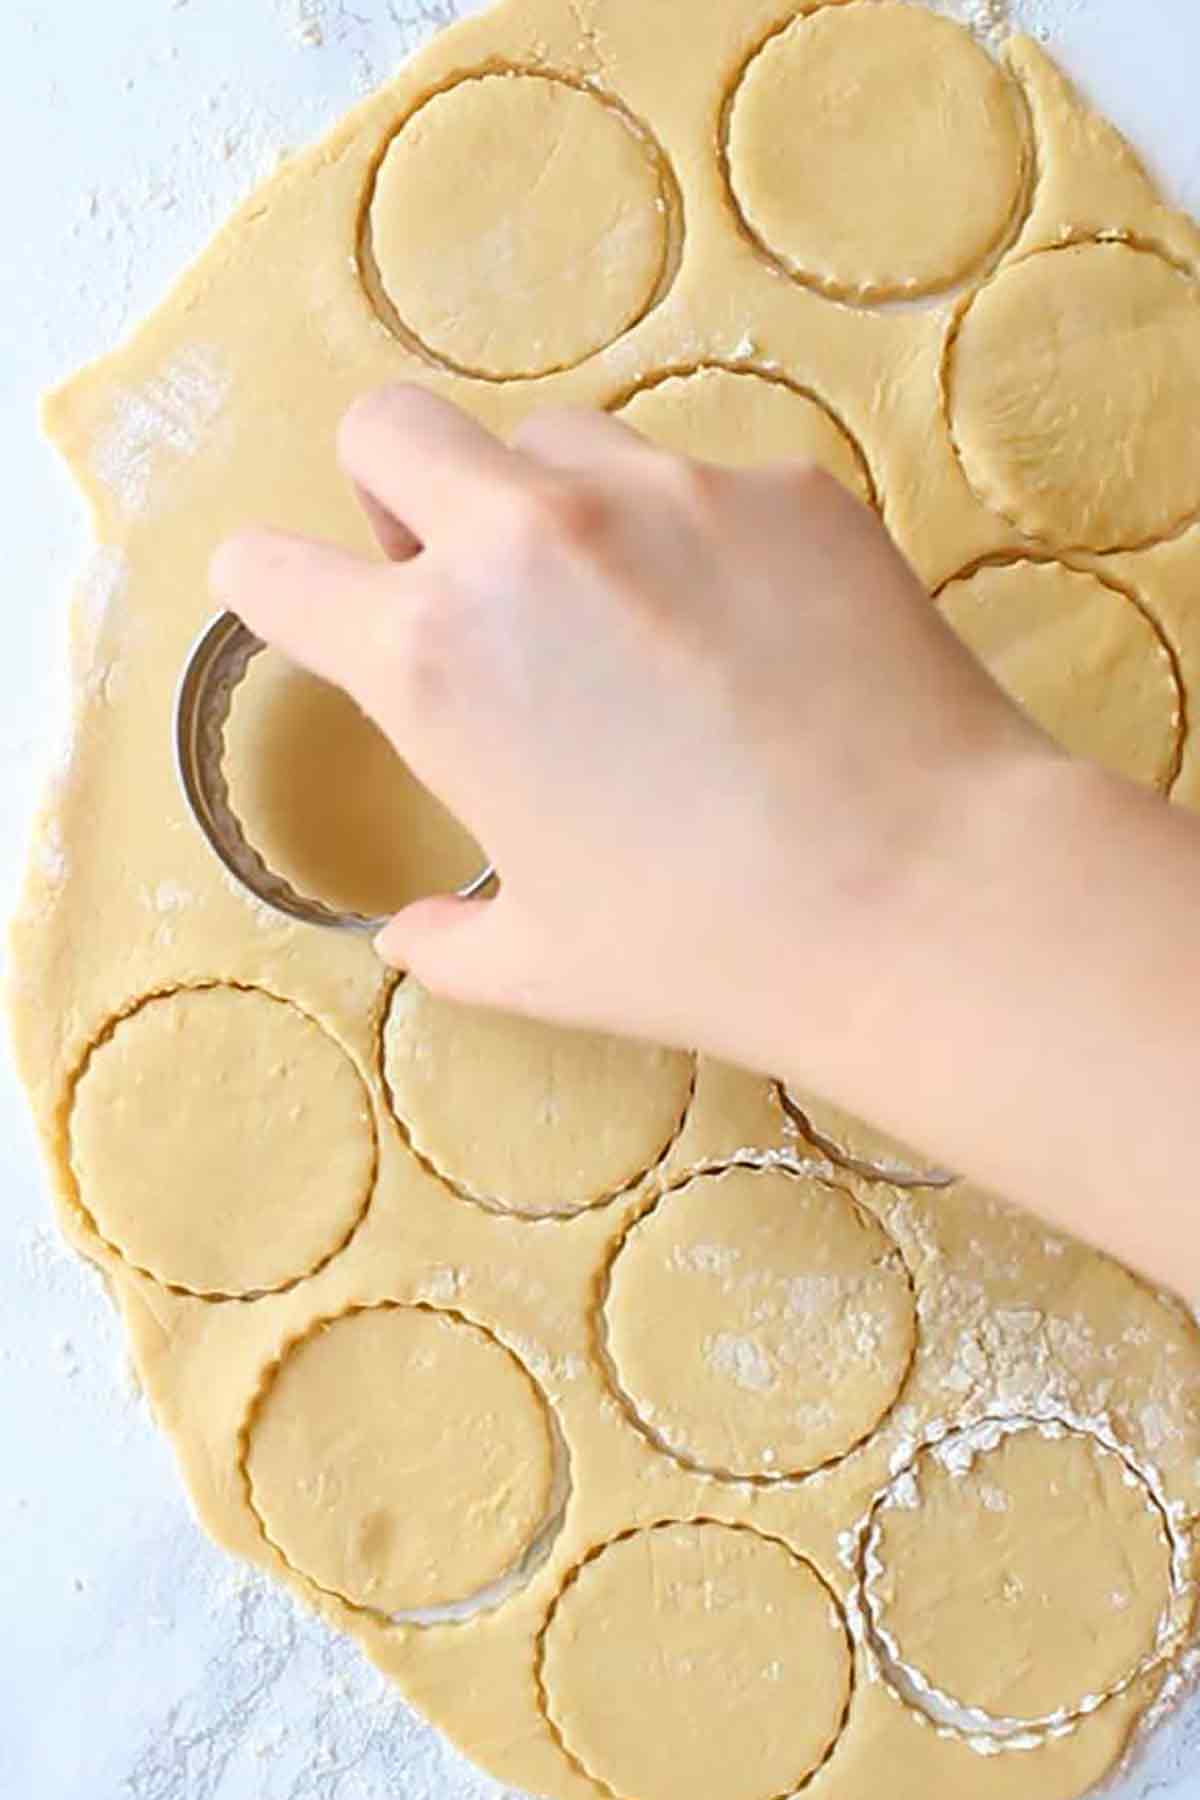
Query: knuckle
[807, 479]
[428, 654]
[696, 486]
[567, 515]
[549, 426]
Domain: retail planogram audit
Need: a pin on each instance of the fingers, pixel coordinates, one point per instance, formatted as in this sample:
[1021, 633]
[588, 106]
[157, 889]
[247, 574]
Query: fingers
[423, 461]
[324, 608]
[573, 440]
[395, 540]
[452, 947]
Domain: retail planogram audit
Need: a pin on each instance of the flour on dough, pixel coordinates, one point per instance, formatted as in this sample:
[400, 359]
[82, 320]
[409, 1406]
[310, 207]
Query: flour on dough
[759, 1324]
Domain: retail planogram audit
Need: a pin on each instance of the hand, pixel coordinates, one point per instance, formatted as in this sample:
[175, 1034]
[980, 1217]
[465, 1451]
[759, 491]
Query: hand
[707, 723]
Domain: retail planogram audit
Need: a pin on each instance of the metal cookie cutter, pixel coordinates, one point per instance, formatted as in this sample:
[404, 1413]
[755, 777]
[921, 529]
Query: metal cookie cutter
[215, 668]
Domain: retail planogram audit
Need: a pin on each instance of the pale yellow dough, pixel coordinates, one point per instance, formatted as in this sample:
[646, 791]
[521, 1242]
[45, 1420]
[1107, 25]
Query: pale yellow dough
[518, 224]
[1026, 1580]
[746, 416]
[498, 1332]
[1080, 658]
[221, 1141]
[1073, 393]
[758, 1324]
[361, 1486]
[523, 1117]
[859, 1144]
[327, 803]
[845, 127]
[714, 1623]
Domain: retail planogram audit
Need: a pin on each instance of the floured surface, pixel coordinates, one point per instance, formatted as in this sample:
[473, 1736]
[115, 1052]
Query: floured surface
[1002, 1320]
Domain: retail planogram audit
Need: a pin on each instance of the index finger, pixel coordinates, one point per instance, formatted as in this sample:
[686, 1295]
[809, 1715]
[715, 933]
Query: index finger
[422, 459]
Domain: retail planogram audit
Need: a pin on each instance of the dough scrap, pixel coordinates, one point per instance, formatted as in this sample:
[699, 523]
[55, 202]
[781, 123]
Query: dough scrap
[746, 417]
[876, 151]
[691, 1622]
[523, 1117]
[759, 1324]
[1081, 658]
[401, 1458]
[222, 1141]
[327, 803]
[1025, 1581]
[519, 224]
[1073, 393]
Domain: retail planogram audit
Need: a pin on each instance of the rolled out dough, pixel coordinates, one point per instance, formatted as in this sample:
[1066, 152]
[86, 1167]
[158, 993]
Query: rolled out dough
[759, 1324]
[1081, 658]
[444, 1310]
[743, 416]
[348, 1436]
[328, 804]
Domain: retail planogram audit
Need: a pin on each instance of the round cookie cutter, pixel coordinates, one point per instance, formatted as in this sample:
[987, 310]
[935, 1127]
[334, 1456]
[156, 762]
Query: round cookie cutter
[214, 670]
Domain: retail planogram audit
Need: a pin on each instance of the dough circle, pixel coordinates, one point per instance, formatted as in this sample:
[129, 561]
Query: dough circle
[526, 1118]
[743, 417]
[327, 803]
[861, 1145]
[400, 1458]
[1025, 1580]
[1072, 388]
[697, 1659]
[876, 152]
[1081, 658]
[272, 1182]
[759, 1324]
[518, 224]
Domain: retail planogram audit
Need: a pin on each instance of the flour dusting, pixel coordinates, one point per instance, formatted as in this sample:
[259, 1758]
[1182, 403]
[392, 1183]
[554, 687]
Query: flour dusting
[166, 419]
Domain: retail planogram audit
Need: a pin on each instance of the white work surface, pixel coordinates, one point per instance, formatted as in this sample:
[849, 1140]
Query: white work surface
[137, 1663]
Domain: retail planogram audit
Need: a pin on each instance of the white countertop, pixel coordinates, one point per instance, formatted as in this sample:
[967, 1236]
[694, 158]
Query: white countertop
[137, 1663]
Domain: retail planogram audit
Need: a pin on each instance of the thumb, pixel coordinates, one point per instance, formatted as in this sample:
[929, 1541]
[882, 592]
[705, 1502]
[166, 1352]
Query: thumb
[460, 949]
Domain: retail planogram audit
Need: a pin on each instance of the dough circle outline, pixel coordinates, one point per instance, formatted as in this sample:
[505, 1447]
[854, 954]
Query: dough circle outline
[617, 1382]
[434, 1163]
[804, 1116]
[778, 378]
[943, 1712]
[668, 203]
[1124, 590]
[506, 1583]
[1055, 544]
[880, 292]
[700, 1522]
[105, 1036]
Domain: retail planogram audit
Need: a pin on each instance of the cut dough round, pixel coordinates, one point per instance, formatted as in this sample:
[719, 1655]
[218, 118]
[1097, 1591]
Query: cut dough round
[742, 417]
[697, 1622]
[1022, 1580]
[1073, 393]
[876, 151]
[327, 803]
[401, 1458]
[863, 1146]
[523, 1117]
[273, 1182]
[519, 224]
[759, 1324]
[1081, 658]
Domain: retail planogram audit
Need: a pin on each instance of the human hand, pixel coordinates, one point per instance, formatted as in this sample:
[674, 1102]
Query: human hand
[719, 743]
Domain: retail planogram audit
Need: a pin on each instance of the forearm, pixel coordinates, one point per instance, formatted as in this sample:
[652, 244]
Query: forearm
[1034, 1019]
